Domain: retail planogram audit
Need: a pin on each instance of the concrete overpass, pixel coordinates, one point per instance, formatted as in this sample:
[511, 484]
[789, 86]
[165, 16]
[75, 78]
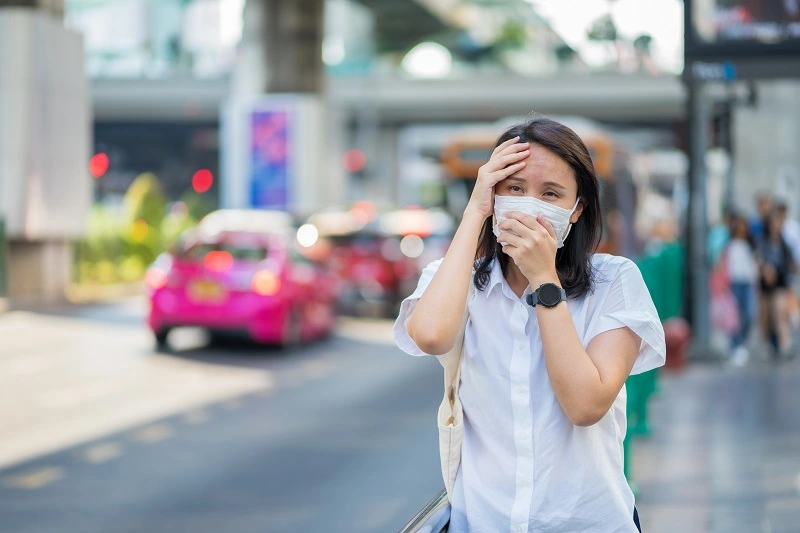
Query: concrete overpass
[396, 100]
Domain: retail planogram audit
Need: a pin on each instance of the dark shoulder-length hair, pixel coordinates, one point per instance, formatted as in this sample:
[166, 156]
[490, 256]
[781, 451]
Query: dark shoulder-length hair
[574, 259]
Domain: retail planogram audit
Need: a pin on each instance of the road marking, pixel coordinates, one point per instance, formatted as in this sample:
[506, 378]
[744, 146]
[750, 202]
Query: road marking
[232, 404]
[198, 416]
[35, 479]
[153, 434]
[101, 453]
[318, 368]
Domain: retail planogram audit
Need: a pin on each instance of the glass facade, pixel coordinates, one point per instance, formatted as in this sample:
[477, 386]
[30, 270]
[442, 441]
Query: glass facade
[198, 38]
[157, 38]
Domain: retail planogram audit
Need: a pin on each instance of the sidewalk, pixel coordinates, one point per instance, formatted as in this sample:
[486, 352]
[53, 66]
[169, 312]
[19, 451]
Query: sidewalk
[78, 373]
[724, 455]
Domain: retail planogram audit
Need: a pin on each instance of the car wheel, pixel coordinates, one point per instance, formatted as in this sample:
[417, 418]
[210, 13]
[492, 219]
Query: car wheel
[292, 330]
[161, 338]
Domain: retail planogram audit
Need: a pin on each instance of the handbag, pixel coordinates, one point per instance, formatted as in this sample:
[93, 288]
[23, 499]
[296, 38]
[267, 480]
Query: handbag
[724, 309]
[451, 413]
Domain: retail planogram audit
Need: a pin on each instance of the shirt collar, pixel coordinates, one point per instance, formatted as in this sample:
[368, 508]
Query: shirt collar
[495, 277]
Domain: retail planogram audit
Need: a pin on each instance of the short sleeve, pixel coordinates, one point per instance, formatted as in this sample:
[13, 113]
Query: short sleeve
[628, 304]
[401, 337]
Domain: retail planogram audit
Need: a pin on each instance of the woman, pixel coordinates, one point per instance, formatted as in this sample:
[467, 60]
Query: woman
[775, 270]
[541, 378]
[742, 271]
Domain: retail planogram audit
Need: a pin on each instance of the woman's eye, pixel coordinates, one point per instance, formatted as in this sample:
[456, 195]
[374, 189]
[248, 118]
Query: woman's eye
[515, 188]
[551, 194]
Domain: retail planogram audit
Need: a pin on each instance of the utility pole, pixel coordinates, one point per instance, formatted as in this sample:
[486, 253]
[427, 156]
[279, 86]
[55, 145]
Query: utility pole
[697, 298]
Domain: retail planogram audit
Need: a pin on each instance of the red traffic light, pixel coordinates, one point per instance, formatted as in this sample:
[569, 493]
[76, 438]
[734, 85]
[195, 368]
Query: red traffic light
[202, 180]
[354, 160]
[98, 165]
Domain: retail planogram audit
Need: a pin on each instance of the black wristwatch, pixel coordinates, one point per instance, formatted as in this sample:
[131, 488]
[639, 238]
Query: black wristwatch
[548, 294]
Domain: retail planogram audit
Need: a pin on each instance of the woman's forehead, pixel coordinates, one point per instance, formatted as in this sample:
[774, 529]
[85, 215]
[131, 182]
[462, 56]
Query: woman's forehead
[543, 165]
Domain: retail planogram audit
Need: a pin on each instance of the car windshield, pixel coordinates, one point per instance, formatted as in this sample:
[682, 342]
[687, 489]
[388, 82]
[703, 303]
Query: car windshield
[238, 251]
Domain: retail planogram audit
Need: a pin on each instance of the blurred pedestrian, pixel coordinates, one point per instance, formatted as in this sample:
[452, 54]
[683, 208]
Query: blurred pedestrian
[775, 270]
[758, 223]
[743, 274]
[554, 331]
[719, 235]
[790, 231]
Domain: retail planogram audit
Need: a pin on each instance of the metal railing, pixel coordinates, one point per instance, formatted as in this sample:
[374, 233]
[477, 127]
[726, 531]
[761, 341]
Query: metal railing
[433, 518]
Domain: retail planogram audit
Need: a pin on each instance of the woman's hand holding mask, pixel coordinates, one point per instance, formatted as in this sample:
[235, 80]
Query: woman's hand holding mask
[532, 245]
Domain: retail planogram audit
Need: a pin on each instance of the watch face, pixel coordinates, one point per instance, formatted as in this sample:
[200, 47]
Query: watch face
[549, 294]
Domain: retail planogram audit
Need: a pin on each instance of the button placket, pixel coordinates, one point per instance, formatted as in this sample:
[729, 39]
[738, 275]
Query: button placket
[521, 407]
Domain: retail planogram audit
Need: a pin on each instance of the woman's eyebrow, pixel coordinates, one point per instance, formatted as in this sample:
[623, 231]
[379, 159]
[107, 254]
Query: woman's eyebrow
[553, 184]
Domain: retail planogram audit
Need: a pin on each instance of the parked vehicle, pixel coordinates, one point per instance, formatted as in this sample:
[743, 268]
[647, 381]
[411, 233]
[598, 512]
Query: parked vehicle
[360, 257]
[416, 236]
[247, 279]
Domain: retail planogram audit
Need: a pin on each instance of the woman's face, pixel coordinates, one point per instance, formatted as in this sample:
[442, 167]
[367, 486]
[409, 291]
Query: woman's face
[740, 228]
[546, 177]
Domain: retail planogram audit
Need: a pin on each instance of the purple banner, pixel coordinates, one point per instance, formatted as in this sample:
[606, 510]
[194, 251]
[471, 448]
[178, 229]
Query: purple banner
[270, 159]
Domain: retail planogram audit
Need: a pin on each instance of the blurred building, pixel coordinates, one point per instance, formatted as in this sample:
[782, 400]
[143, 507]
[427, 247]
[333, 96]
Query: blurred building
[388, 64]
[45, 121]
[342, 97]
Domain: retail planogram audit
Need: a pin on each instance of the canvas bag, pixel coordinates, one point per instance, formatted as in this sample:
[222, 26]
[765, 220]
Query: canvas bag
[451, 413]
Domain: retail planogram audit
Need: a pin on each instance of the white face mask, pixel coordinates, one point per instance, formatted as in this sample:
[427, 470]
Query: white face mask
[558, 217]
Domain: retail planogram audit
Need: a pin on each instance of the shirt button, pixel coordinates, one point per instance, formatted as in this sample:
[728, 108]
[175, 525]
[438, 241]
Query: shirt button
[520, 346]
[519, 528]
[521, 389]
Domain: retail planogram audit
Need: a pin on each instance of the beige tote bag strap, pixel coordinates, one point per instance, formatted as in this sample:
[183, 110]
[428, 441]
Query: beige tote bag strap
[452, 363]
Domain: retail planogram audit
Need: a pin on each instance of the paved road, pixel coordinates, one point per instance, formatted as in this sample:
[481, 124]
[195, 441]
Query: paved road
[339, 436]
[99, 434]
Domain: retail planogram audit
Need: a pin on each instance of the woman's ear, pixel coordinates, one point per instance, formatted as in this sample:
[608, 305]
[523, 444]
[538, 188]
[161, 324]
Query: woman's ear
[577, 213]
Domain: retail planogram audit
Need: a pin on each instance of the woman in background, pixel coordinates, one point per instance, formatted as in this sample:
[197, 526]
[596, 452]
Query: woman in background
[776, 267]
[743, 273]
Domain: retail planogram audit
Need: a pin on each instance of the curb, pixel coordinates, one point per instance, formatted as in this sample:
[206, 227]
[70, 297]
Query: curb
[83, 294]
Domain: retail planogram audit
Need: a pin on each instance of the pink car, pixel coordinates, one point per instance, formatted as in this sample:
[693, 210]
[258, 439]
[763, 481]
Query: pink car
[247, 282]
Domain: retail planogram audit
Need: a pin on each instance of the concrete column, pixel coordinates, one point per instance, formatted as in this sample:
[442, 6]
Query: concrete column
[280, 64]
[54, 7]
[45, 131]
[293, 33]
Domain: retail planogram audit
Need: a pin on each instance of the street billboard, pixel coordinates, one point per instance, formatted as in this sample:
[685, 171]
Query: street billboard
[271, 154]
[741, 28]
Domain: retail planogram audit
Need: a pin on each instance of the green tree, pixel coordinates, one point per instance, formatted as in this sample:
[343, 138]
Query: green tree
[145, 207]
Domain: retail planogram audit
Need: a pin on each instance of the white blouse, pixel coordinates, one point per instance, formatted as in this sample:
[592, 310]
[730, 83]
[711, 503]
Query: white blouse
[525, 466]
[742, 267]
